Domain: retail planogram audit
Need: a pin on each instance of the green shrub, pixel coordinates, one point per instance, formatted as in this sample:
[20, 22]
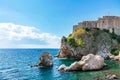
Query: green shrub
[79, 31]
[113, 36]
[105, 30]
[96, 28]
[96, 33]
[80, 42]
[118, 39]
[115, 51]
[64, 38]
[71, 41]
[87, 29]
[70, 35]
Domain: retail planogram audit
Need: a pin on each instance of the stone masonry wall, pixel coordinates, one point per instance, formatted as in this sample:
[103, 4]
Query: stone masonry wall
[106, 22]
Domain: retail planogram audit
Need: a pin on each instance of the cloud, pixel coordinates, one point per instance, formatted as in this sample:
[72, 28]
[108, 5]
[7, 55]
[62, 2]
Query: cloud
[13, 36]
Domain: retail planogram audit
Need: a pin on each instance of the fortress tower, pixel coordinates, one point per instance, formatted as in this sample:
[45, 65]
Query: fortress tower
[106, 22]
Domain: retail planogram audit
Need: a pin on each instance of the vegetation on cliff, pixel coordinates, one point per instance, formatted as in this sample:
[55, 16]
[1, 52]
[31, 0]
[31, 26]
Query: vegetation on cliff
[73, 41]
[80, 31]
[91, 40]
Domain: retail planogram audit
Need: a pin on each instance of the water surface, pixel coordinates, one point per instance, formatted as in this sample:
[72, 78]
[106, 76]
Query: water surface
[15, 65]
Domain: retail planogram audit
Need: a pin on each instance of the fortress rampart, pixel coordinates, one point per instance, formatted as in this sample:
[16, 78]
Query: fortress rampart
[106, 22]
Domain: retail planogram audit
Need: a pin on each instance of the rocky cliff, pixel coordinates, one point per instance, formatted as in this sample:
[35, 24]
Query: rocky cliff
[89, 40]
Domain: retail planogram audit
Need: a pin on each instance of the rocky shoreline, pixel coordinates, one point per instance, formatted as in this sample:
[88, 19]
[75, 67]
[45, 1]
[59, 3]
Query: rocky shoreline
[87, 63]
[91, 47]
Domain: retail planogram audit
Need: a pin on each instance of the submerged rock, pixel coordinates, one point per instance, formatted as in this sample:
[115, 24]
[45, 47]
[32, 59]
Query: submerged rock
[45, 60]
[89, 62]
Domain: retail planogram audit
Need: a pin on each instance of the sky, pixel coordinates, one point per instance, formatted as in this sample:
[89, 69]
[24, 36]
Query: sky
[42, 23]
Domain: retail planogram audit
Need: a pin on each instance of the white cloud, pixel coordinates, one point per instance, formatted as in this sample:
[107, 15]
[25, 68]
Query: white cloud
[11, 33]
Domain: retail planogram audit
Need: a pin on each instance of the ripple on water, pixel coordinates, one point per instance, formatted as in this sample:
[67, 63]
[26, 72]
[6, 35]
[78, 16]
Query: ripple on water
[12, 74]
[9, 70]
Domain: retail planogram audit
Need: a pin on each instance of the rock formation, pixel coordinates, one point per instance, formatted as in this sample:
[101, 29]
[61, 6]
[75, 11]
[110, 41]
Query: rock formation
[45, 60]
[112, 77]
[89, 62]
[62, 67]
[105, 52]
[65, 51]
[95, 41]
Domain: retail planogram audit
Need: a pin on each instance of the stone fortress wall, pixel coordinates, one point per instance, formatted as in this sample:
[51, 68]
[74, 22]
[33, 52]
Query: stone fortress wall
[106, 22]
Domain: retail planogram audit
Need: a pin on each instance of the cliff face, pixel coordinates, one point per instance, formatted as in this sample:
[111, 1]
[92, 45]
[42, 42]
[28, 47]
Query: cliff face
[94, 41]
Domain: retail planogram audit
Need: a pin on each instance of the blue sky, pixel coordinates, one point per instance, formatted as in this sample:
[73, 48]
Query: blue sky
[51, 19]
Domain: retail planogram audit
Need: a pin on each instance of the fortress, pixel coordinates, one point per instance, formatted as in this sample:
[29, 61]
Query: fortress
[106, 22]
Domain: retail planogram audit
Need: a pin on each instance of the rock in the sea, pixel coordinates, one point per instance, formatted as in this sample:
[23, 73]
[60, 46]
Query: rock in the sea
[45, 60]
[112, 77]
[75, 66]
[89, 62]
[62, 68]
[92, 62]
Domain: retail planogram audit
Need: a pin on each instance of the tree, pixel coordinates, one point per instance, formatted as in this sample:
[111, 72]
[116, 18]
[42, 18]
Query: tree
[71, 41]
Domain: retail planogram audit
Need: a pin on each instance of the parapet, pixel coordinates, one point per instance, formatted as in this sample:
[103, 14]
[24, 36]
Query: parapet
[105, 22]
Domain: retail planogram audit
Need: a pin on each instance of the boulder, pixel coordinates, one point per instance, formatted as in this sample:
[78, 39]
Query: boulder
[45, 60]
[62, 67]
[112, 77]
[89, 62]
[92, 62]
[76, 66]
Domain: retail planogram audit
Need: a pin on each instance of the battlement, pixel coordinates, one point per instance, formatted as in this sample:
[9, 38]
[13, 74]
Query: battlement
[105, 22]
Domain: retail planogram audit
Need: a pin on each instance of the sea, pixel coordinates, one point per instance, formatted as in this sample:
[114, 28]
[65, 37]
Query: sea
[15, 65]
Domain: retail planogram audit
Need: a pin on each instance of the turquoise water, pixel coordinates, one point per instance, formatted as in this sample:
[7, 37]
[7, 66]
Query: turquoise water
[15, 65]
